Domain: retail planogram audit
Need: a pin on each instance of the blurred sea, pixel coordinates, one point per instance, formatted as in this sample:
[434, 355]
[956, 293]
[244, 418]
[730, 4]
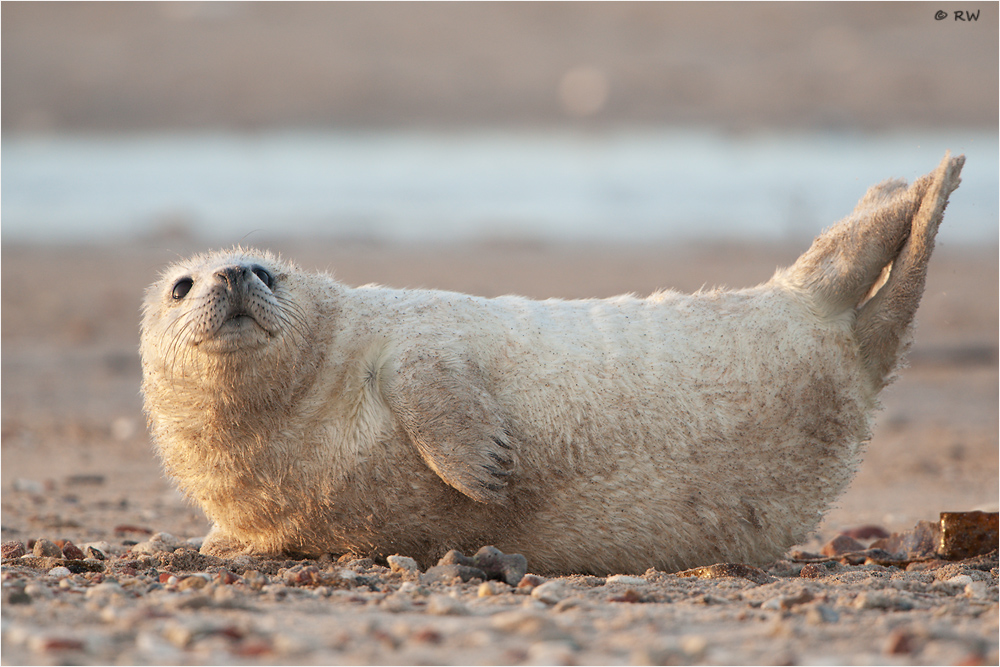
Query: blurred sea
[613, 186]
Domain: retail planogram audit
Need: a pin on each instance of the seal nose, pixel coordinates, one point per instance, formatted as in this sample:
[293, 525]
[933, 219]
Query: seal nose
[232, 275]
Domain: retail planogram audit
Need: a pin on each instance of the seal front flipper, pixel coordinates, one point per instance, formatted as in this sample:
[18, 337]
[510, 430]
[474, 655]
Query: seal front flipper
[455, 423]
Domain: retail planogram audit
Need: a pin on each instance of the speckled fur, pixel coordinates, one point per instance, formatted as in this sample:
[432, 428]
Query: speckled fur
[591, 436]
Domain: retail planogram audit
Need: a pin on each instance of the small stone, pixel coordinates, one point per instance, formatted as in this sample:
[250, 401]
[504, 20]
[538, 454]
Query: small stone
[29, 486]
[72, 552]
[226, 578]
[98, 550]
[255, 580]
[17, 596]
[873, 600]
[812, 571]
[917, 544]
[104, 590]
[444, 605]
[630, 596]
[867, 532]
[551, 653]
[493, 563]
[900, 642]
[625, 579]
[397, 602]
[533, 624]
[427, 636]
[727, 570]
[490, 588]
[194, 582]
[46, 549]
[52, 644]
[820, 613]
[960, 580]
[85, 480]
[550, 592]
[59, 571]
[302, 575]
[13, 549]
[158, 543]
[976, 590]
[840, 545]
[450, 572]
[39, 590]
[403, 564]
[529, 582]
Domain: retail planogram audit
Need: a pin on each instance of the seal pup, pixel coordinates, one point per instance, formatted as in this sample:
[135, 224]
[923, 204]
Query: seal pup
[308, 417]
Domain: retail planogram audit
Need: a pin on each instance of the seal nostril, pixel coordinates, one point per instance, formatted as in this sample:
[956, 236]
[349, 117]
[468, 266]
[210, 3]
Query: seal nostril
[231, 275]
[264, 276]
[181, 288]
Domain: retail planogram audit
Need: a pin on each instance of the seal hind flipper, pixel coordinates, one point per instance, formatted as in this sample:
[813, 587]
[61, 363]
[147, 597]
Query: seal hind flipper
[872, 265]
[885, 318]
[456, 425]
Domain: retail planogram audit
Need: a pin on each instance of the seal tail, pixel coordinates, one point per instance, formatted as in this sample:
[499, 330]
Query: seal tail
[874, 263]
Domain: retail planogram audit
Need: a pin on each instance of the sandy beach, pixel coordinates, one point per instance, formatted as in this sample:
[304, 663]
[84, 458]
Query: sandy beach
[78, 465]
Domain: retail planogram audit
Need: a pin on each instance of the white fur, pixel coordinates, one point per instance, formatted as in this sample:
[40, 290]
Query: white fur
[591, 436]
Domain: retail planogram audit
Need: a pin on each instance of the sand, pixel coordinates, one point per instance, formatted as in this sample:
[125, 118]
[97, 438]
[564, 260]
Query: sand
[78, 465]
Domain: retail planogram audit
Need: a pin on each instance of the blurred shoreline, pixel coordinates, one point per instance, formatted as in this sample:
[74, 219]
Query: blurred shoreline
[667, 184]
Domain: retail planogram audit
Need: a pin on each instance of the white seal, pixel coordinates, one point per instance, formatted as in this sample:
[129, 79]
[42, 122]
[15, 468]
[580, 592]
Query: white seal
[604, 436]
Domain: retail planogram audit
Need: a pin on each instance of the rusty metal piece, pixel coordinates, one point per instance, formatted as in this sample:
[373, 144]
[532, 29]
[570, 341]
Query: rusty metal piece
[967, 534]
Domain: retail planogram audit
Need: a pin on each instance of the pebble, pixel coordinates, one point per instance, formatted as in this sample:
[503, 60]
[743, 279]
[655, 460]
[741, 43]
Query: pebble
[403, 564]
[59, 571]
[45, 549]
[13, 549]
[38, 590]
[867, 532]
[841, 544]
[784, 602]
[529, 582]
[255, 580]
[449, 572]
[494, 563]
[302, 575]
[194, 582]
[101, 547]
[900, 642]
[72, 552]
[534, 624]
[104, 591]
[880, 600]
[625, 579]
[490, 588]
[813, 571]
[29, 486]
[445, 605]
[551, 653]
[976, 590]
[550, 592]
[158, 543]
[819, 614]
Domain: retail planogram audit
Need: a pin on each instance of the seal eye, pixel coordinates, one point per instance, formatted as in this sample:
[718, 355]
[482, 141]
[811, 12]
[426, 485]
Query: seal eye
[264, 276]
[181, 288]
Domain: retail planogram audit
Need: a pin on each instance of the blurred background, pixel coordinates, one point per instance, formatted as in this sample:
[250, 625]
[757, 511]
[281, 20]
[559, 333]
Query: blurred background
[620, 122]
